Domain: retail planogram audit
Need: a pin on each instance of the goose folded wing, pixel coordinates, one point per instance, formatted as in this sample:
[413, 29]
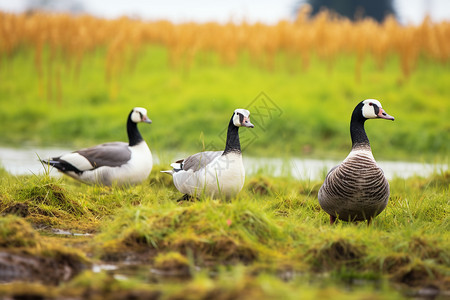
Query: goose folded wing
[199, 160]
[109, 154]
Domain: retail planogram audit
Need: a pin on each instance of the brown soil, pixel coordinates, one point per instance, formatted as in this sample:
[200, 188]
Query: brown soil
[336, 254]
[18, 266]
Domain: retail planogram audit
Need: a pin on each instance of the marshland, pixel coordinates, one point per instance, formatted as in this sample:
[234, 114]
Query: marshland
[69, 82]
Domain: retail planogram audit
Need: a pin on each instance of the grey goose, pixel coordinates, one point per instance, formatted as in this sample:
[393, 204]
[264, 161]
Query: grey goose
[214, 173]
[356, 189]
[111, 163]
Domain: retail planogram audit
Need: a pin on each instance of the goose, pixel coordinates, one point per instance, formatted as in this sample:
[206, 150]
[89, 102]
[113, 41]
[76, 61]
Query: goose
[214, 173]
[111, 163]
[356, 189]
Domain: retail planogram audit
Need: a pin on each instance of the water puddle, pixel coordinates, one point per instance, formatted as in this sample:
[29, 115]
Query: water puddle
[25, 161]
[69, 233]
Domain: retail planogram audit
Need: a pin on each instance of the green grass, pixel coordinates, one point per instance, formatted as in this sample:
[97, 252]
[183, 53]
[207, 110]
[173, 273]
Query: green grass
[272, 241]
[190, 108]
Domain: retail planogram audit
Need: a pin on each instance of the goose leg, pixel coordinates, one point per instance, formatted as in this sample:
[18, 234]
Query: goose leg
[186, 197]
[332, 219]
[369, 221]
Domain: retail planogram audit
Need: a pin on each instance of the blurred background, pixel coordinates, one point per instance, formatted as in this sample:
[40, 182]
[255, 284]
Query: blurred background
[267, 11]
[70, 72]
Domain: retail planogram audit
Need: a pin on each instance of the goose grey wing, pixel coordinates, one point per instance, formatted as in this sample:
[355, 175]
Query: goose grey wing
[199, 160]
[109, 154]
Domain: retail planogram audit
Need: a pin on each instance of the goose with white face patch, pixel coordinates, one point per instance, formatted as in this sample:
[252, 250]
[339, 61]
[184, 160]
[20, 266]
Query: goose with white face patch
[111, 163]
[214, 173]
[357, 190]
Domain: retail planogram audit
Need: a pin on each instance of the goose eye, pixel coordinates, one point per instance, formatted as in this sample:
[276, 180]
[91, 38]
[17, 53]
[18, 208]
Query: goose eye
[370, 103]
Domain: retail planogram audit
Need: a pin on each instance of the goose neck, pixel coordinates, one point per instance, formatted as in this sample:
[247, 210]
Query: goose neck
[232, 144]
[134, 136]
[358, 133]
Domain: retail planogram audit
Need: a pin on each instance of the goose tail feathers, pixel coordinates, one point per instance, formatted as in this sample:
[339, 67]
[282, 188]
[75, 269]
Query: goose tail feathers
[50, 161]
[170, 172]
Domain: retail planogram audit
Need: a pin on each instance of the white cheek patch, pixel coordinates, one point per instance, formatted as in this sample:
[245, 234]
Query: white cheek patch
[78, 161]
[368, 111]
[135, 117]
[236, 121]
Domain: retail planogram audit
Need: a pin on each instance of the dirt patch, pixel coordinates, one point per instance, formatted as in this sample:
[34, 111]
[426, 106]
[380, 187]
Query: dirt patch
[172, 264]
[33, 268]
[333, 255]
[393, 263]
[418, 274]
[128, 256]
[19, 209]
[222, 249]
[428, 250]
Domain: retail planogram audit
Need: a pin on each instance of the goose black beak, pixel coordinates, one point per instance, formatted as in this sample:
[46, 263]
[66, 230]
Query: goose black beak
[383, 115]
[147, 120]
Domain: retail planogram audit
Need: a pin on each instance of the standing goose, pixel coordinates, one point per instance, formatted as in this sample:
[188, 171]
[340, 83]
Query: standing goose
[356, 190]
[111, 163]
[214, 173]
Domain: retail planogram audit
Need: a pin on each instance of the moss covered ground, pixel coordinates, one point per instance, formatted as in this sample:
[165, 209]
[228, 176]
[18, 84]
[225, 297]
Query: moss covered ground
[272, 241]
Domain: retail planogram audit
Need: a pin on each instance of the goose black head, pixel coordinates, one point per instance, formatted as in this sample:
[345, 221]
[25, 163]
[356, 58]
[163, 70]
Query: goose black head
[371, 109]
[139, 114]
[241, 118]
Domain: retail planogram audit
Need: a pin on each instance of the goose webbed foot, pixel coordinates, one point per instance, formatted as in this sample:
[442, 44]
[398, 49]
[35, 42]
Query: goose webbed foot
[186, 197]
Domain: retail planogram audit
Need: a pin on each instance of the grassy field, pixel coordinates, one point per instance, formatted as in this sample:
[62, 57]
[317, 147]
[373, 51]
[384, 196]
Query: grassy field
[302, 113]
[272, 241]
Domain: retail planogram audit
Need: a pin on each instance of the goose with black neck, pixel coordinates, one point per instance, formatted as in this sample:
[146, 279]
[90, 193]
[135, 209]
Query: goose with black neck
[356, 189]
[214, 173]
[111, 163]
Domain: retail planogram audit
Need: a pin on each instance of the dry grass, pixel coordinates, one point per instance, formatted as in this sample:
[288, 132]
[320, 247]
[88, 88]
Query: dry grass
[70, 39]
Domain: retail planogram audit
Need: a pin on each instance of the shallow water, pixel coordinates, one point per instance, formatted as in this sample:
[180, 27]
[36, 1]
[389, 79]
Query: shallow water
[25, 161]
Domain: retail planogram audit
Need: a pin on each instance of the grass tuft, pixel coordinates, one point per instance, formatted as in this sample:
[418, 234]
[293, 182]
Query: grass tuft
[336, 254]
[172, 264]
[47, 194]
[418, 273]
[15, 232]
[212, 230]
[260, 185]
